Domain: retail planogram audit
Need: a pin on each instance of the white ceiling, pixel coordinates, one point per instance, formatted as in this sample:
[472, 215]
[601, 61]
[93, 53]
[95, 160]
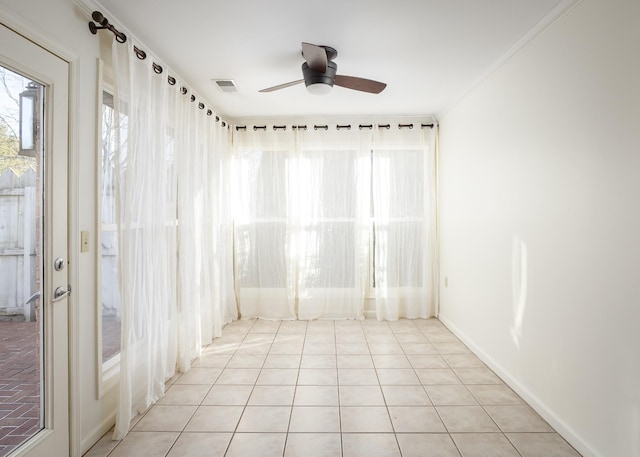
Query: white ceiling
[429, 52]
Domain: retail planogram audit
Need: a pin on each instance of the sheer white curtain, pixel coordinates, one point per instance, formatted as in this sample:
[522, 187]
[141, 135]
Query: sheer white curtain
[173, 232]
[220, 191]
[325, 217]
[302, 222]
[146, 202]
[330, 206]
[265, 248]
[205, 283]
[194, 235]
[404, 223]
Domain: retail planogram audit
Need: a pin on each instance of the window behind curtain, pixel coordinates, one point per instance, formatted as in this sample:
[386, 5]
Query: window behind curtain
[327, 214]
[109, 291]
[261, 220]
[320, 212]
[398, 183]
[299, 233]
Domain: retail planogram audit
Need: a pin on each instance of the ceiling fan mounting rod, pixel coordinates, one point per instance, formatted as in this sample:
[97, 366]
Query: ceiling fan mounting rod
[331, 52]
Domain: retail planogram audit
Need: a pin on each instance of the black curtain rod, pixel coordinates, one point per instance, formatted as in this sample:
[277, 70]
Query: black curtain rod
[99, 22]
[326, 127]
[103, 24]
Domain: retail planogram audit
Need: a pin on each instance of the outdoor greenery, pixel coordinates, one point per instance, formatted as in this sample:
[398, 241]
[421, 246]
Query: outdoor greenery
[9, 158]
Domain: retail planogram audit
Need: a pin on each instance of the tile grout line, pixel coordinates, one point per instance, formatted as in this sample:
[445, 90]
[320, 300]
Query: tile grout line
[202, 400]
[395, 434]
[295, 390]
[500, 431]
[434, 406]
[244, 408]
[211, 388]
[335, 340]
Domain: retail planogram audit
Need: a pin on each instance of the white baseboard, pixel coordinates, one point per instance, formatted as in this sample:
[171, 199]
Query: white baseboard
[94, 436]
[560, 426]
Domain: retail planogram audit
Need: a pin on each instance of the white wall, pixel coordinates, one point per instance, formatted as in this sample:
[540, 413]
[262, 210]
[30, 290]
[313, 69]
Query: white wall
[540, 224]
[58, 23]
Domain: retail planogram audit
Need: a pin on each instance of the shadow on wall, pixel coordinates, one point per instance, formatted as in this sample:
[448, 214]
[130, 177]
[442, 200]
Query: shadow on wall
[518, 287]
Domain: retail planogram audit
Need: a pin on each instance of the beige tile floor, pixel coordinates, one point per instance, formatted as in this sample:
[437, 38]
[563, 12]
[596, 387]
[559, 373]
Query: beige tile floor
[338, 388]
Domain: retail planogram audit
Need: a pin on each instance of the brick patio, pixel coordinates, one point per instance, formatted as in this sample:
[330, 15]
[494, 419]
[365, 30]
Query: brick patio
[20, 378]
[111, 328]
[19, 383]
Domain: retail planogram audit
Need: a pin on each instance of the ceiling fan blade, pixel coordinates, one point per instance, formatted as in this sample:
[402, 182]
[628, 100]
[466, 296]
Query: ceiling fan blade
[361, 84]
[316, 57]
[282, 86]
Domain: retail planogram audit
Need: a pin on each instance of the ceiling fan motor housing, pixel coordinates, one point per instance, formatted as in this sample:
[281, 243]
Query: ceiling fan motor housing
[315, 77]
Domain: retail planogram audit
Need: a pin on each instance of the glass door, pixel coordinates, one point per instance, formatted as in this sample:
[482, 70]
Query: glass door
[34, 287]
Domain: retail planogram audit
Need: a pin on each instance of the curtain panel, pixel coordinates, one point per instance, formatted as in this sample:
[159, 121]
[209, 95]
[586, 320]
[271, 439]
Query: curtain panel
[330, 209]
[404, 223]
[326, 219]
[174, 225]
[264, 244]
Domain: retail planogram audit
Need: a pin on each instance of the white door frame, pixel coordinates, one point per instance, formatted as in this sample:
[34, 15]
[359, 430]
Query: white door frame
[34, 34]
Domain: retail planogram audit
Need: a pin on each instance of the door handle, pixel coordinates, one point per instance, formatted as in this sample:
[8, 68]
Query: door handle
[61, 293]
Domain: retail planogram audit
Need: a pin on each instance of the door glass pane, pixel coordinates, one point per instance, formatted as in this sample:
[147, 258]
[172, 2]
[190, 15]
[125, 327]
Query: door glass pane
[21, 262]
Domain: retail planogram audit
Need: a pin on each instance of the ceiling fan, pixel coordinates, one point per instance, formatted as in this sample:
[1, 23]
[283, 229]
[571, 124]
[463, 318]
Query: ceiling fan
[319, 73]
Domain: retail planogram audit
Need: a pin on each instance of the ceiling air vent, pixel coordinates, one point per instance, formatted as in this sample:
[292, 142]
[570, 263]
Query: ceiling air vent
[226, 85]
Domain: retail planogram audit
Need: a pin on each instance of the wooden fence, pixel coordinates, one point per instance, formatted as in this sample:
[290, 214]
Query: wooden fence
[18, 242]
